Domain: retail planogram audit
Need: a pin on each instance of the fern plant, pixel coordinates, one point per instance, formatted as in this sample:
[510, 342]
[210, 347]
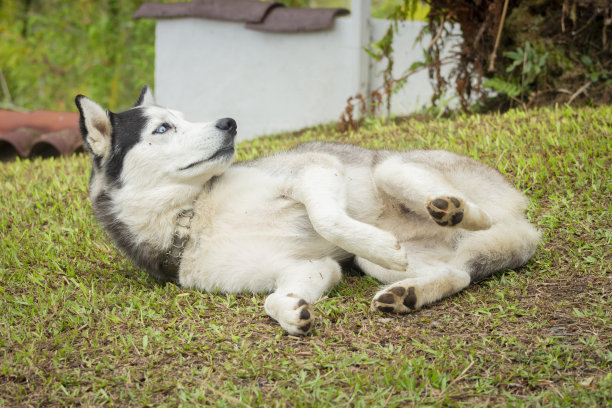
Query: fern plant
[500, 85]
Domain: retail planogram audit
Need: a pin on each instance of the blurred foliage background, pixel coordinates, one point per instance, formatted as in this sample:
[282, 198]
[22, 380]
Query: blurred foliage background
[52, 50]
[550, 51]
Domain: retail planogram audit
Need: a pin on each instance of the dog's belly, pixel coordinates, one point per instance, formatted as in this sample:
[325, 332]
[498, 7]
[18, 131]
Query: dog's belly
[249, 254]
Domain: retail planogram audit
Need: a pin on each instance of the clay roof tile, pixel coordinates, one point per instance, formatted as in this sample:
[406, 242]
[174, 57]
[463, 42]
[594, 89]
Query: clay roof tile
[38, 133]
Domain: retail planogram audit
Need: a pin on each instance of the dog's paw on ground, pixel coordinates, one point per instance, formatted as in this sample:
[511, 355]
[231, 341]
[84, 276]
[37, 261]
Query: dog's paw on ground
[446, 211]
[396, 299]
[299, 321]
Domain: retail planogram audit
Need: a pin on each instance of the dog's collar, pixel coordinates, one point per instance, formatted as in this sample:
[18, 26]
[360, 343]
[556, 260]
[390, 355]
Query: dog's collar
[171, 260]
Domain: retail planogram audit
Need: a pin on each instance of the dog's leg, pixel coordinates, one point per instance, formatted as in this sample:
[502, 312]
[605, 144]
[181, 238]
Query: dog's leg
[305, 282]
[506, 245]
[422, 283]
[427, 279]
[322, 190]
[412, 293]
[428, 193]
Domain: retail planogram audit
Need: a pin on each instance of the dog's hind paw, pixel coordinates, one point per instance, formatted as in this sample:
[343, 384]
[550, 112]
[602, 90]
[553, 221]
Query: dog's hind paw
[446, 211]
[396, 299]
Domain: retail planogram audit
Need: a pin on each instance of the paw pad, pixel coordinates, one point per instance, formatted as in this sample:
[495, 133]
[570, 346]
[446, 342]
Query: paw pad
[395, 300]
[305, 317]
[446, 211]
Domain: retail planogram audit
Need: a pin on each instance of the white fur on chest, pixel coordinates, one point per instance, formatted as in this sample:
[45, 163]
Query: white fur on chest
[245, 201]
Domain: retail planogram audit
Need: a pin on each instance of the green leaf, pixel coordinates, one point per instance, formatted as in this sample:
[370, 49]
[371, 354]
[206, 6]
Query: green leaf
[514, 65]
[371, 53]
[416, 65]
[513, 55]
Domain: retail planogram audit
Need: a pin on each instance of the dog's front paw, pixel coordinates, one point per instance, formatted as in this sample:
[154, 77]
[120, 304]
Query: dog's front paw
[389, 254]
[299, 320]
[394, 257]
[446, 211]
[396, 299]
[293, 313]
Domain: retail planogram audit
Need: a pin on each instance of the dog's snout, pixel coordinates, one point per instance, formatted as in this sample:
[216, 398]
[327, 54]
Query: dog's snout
[226, 124]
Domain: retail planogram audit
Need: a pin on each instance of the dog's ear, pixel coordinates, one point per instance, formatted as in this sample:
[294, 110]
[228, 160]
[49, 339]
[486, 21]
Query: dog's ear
[95, 126]
[146, 97]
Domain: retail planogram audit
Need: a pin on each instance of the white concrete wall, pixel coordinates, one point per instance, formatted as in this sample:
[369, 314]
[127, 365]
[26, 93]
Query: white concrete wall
[417, 91]
[273, 82]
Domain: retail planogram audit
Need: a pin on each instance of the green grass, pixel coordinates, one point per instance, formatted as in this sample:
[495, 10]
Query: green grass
[79, 325]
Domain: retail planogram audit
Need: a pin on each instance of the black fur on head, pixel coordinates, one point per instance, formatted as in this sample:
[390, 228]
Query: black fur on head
[123, 130]
[127, 128]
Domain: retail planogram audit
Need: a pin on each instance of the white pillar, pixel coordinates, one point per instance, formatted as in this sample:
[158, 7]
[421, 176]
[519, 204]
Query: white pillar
[360, 14]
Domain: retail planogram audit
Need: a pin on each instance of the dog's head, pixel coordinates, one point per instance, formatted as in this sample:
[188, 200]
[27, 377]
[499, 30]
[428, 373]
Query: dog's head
[152, 143]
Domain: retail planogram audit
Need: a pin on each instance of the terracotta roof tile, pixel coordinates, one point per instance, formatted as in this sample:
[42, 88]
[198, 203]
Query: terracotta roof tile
[259, 15]
[38, 134]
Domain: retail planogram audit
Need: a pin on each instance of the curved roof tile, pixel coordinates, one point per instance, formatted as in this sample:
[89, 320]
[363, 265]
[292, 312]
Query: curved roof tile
[227, 10]
[293, 20]
[38, 134]
[259, 15]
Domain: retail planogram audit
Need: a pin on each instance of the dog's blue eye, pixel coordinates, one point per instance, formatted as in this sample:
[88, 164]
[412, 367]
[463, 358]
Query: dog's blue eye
[162, 128]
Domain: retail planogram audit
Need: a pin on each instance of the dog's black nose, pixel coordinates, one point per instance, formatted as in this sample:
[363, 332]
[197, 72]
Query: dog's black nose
[227, 124]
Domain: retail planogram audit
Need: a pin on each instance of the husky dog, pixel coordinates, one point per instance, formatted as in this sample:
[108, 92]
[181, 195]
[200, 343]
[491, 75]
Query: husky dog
[425, 223]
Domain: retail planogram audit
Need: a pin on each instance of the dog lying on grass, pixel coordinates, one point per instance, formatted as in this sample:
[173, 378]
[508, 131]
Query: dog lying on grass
[425, 223]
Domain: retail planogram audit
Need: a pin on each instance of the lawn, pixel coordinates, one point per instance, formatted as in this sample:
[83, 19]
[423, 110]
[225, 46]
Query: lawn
[79, 325]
